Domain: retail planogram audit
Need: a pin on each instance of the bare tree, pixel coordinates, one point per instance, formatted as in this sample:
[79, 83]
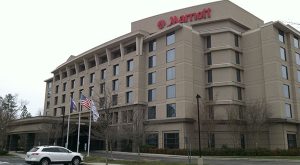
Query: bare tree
[207, 120]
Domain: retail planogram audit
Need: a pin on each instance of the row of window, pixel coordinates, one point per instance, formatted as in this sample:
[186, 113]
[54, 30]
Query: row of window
[171, 111]
[211, 93]
[237, 58]
[281, 38]
[209, 76]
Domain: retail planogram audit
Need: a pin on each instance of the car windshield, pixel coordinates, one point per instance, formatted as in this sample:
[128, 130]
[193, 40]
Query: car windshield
[34, 149]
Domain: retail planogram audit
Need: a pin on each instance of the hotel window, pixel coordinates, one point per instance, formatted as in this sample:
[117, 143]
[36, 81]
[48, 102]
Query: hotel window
[129, 81]
[208, 42]
[170, 38]
[238, 75]
[55, 112]
[239, 92]
[64, 86]
[130, 65]
[124, 116]
[209, 76]
[210, 93]
[298, 75]
[151, 95]
[211, 140]
[171, 140]
[282, 54]
[114, 99]
[91, 91]
[92, 63]
[102, 88]
[284, 72]
[115, 117]
[151, 78]
[171, 73]
[115, 85]
[288, 111]
[55, 100]
[82, 81]
[48, 104]
[72, 71]
[129, 97]
[49, 89]
[209, 60]
[292, 141]
[57, 77]
[286, 90]
[102, 59]
[237, 58]
[72, 84]
[211, 114]
[170, 55]
[63, 98]
[236, 40]
[130, 48]
[152, 61]
[64, 74]
[92, 77]
[130, 116]
[56, 88]
[281, 36]
[103, 74]
[152, 140]
[80, 93]
[297, 58]
[171, 91]
[152, 45]
[171, 110]
[243, 142]
[152, 112]
[72, 95]
[115, 54]
[296, 42]
[81, 67]
[116, 69]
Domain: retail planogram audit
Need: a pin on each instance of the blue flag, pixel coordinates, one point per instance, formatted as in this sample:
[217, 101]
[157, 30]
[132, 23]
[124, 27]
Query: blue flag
[72, 105]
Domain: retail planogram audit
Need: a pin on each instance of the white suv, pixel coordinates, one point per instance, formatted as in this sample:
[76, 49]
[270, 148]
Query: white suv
[44, 155]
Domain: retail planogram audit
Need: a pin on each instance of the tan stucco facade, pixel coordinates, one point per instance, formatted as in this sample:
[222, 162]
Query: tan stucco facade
[234, 33]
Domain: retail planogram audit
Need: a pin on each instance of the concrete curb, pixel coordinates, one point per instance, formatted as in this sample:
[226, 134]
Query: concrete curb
[252, 159]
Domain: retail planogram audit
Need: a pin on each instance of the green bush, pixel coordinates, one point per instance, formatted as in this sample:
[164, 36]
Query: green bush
[3, 153]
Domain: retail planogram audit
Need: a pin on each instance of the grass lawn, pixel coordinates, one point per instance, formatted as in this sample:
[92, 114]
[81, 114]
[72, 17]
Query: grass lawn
[94, 159]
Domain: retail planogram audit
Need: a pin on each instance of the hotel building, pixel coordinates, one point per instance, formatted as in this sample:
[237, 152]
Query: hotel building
[217, 50]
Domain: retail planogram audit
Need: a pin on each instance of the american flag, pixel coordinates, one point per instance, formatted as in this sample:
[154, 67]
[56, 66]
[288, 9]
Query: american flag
[84, 101]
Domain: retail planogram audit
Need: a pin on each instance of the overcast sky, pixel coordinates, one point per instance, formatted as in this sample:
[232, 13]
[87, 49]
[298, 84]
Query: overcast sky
[38, 35]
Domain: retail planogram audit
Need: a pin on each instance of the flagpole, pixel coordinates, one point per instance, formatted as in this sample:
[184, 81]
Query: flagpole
[67, 143]
[78, 128]
[89, 140]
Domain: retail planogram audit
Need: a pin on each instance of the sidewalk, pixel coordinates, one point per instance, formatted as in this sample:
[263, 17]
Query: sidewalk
[19, 154]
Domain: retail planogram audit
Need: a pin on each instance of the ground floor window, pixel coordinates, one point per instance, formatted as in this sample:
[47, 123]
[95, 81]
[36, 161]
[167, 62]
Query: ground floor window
[292, 142]
[243, 141]
[152, 140]
[171, 140]
[211, 140]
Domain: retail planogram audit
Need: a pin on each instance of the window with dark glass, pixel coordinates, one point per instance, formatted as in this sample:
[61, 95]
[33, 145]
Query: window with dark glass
[298, 75]
[129, 81]
[80, 93]
[115, 54]
[102, 88]
[238, 75]
[171, 140]
[292, 141]
[116, 69]
[63, 98]
[130, 48]
[286, 91]
[171, 110]
[170, 55]
[115, 85]
[82, 81]
[114, 99]
[72, 71]
[92, 63]
[91, 91]
[243, 142]
[209, 76]
[81, 67]
[72, 84]
[152, 140]
[152, 112]
[209, 60]
[56, 88]
[72, 94]
[57, 77]
[151, 95]
[237, 58]
[171, 91]
[210, 93]
[288, 110]
[102, 59]
[55, 112]
[55, 100]
[103, 74]
[239, 92]
[92, 77]
[129, 97]
[208, 41]
[236, 40]
[211, 114]
[48, 104]
[297, 58]
[281, 36]
[170, 38]
[296, 42]
[282, 54]
[64, 86]
[171, 73]
[284, 72]
[152, 45]
[130, 65]
[211, 140]
[151, 78]
[152, 61]
[64, 74]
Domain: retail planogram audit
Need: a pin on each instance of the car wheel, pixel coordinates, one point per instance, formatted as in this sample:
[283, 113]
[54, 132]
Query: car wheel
[76, 161]
[45, 161]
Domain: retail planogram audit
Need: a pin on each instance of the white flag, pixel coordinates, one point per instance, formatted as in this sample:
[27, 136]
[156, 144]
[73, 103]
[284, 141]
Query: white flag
[94, 111]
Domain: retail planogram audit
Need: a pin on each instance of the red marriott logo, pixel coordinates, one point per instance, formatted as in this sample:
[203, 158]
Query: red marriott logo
[205, 13]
